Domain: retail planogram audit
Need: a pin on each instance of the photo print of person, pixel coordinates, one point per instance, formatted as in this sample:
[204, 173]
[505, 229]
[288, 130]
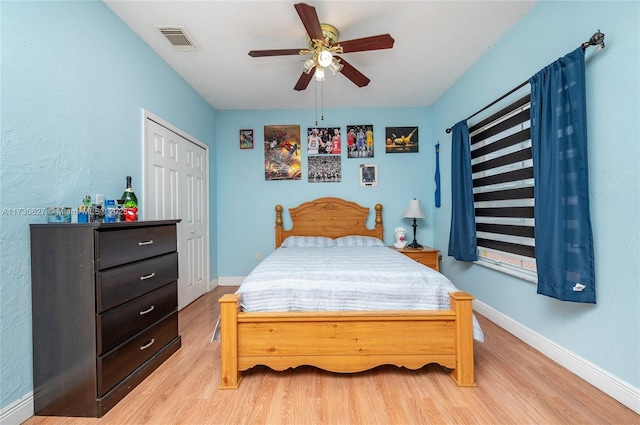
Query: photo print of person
[324, 141]
[368, 175]
[282, 158]
[360, 141]
[401, 139]
[325, 169]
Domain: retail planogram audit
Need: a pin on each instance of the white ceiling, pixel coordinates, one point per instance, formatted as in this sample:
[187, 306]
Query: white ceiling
[436, 42]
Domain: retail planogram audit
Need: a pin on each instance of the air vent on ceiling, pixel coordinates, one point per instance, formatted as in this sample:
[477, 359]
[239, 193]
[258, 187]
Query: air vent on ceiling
[178, 37]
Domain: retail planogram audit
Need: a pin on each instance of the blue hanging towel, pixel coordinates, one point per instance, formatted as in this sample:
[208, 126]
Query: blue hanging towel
[438, 175]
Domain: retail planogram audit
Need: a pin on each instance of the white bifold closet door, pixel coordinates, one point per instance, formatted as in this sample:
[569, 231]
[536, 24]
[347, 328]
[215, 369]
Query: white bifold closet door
[176, 186]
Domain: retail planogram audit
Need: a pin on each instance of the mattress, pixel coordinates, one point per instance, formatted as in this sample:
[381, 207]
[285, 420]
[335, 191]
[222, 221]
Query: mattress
[345, 279]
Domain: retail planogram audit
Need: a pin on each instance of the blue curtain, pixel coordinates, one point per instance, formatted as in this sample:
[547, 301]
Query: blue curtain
[564, 242]
[462, 237]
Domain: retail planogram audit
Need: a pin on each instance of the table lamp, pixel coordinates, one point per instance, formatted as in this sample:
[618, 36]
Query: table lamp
[414, 210]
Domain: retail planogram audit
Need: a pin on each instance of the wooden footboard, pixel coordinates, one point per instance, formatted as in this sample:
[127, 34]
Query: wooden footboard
[345, 342]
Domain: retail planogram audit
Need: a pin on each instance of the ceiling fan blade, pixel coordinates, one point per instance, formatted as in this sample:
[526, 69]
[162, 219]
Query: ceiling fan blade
[358, 78]
[375, 42]
[310, 20]
[275, 52]
[304, 80]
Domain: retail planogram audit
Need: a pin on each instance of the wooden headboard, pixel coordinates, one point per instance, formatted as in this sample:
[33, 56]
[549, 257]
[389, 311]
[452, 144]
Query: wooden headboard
[330, 217]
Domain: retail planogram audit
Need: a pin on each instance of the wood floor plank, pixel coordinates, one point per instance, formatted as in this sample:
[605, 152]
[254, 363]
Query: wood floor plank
[516, 385]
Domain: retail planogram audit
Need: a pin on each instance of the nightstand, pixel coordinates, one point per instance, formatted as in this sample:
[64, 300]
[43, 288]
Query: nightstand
[425, 255]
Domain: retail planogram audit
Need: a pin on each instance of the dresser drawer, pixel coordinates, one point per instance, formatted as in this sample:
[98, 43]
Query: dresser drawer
[117, 364]
[118, 324]
[427, 259]
[121, 284]
[426, 256]
[120, 246]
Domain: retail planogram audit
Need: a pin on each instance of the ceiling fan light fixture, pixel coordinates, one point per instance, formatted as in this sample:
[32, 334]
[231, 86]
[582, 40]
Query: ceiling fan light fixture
[325, 58]
[308, 65]
[319, 75]
[323, 46]
[335, 66]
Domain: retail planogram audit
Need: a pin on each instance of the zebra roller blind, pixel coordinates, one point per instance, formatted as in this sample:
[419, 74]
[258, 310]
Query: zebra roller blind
[503, 182]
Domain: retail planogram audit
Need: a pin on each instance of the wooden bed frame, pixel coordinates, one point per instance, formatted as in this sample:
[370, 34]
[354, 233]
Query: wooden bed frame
[343, 341]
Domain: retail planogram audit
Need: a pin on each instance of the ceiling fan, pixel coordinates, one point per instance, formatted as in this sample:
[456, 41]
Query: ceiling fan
[323, 47]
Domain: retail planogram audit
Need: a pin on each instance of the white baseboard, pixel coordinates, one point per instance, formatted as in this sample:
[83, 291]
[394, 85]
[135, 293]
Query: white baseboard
[18, 411]
[599, 378]
[230, 281]
[213, 284]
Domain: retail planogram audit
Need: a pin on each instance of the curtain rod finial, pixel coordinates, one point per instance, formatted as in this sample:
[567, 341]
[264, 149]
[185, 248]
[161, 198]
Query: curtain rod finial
[448, 130]
[596, 38]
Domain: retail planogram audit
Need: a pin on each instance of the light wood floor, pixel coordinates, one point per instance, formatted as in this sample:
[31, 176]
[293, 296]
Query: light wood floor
[516, 385]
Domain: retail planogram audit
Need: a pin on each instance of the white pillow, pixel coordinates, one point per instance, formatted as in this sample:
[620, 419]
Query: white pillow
[355, 240]
[307, 241]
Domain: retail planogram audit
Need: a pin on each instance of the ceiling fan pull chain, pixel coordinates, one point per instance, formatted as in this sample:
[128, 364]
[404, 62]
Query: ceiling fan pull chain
[316, 103]
[321, 100]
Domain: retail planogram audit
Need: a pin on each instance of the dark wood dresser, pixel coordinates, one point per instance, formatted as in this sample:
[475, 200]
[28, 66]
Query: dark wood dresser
[105, 311]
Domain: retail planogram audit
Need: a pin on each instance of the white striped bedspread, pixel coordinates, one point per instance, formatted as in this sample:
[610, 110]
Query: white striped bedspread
[345, 278]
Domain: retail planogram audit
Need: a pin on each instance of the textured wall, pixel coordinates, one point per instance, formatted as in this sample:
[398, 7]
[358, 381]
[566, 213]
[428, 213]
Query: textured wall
[74, 82]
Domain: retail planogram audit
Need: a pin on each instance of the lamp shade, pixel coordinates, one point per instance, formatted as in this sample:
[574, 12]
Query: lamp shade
[324, 58]
[414, 210]
[335, 66]
[319, 74]
[308, 65]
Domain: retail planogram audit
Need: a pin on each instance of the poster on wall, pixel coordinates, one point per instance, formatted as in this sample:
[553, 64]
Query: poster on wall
[282, 152]
[324, 141]
[246, 139]
[401, 139]
[325, 169]
[360, 141]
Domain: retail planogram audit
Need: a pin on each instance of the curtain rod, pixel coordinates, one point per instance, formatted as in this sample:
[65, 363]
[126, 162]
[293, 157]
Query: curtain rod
[596, 38]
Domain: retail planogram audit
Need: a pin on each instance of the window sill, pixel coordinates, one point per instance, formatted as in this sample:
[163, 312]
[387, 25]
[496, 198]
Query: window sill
[520, 274]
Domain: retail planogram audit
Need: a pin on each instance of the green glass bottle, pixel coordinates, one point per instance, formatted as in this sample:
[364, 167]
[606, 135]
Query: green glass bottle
[130, 202]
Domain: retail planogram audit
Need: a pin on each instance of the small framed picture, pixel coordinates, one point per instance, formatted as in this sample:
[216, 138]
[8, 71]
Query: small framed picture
[401, 139]
[246, 139]
[368, 175]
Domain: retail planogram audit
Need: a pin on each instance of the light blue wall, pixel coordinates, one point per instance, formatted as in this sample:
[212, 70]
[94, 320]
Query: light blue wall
[246, 216]
[608, 333]
[74, 82]
[71, 102]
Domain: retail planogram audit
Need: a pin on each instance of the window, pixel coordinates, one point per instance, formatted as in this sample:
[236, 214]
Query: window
[502, 169]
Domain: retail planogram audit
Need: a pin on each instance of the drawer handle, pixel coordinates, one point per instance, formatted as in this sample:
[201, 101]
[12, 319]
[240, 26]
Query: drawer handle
[149, 276]
[149, 242]
[147, 345]
[149, 310]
